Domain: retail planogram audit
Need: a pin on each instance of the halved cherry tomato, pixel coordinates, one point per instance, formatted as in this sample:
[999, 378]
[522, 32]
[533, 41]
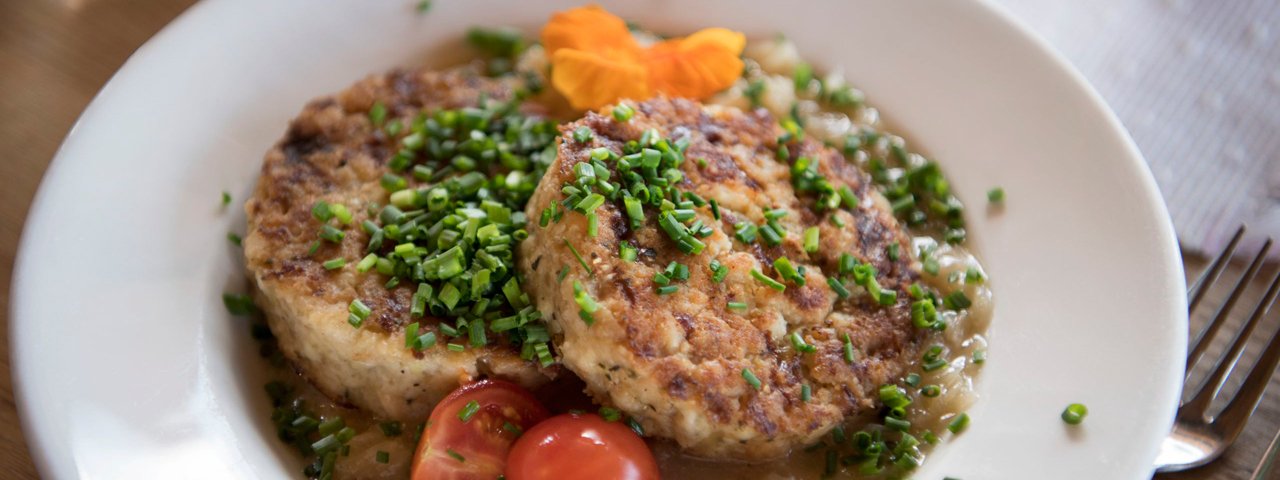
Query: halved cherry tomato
[465, 440]
[580, 446]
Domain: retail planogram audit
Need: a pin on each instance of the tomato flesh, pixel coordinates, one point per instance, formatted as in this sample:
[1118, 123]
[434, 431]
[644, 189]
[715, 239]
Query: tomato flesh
[580, 446]
[475, 448]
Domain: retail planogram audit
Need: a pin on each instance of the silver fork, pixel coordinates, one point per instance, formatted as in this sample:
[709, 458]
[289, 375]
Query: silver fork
[1197, 438]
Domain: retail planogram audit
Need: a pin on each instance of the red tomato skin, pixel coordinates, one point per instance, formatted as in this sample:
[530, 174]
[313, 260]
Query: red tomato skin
[580, 447]
[482, 441]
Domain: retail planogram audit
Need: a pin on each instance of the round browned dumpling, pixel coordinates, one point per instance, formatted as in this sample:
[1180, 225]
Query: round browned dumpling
[332, 152]
[683, 364]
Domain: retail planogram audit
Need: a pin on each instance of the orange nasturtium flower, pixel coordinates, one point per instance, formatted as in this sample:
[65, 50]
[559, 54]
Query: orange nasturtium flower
[595, 61]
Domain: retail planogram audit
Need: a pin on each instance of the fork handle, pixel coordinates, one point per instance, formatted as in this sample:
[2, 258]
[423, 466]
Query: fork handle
[1268, 462]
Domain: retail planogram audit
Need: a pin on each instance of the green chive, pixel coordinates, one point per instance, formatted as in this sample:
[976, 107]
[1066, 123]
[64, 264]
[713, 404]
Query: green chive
[226, 198]
[610, 414]
[715, 209]
[579, 257]
[931, 391]
[751, 378]
[366, 263]
[739, 306]
[335, 263]
[593, 225]
[626, 251]
[239, 305]
[912, 379]
[667, 290]
[377, 114]
[838, 287]
[961, 422]
[897, 424]
[979, 356]
[320, 210]
[331, 234]
[1074, 414]
[582, 134]
[848, 349]
[453, 347]
[893, 252]
[788, 271]
[995, 195]
[233, 238]
[455, 455]
[957, 300]
[718, 271]
[635, 426]
[805, 393]
[811, 239]
[769, 282]
[382, 457]
[468, 411]
[622, 112]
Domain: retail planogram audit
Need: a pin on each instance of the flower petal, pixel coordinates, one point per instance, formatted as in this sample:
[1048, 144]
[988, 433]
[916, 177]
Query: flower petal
[696, 66]
[589, 29]
[591, 81]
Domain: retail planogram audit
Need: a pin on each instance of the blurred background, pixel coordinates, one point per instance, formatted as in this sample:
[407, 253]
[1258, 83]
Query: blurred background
[1196, 82]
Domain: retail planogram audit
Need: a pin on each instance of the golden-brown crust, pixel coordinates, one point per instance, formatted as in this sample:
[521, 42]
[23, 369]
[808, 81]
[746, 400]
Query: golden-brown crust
[675, 361]
[332, 152]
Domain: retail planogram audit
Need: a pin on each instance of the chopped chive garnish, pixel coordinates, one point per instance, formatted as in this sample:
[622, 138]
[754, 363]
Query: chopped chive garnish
[382, 457]
[233, 238]
[893, 252]
[897, 424]
[320, 210]
[564, 271]
[622, 112]
[512, 428]
[367, 263]
[995, 195]
[751, 378]
[769, 282]
[811, 239]
[454, 347]
[788, 271]
[745, 232]
[626, 251]
[979, 356]
[668, 289]
[957, 300]
[848, 349]
[377, 114]
[579, 257]
[239, 305]
[1074, 414]
[455, 455]
[226, 198]
[805, 393]
[468, 411]
[931, 391]
[974, 276]
[610, 414]
[635, 426]
[341, 212]
[391, 428]
[335, 263]
[718, 271]
[593, 225]
[582, 134]
[739, 306]
[913, 379]
[961, 422]
[838, 287]
[331, 234]
[715, 209]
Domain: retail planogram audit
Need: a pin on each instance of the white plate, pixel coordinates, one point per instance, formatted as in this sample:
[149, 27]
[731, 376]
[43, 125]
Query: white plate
[127, 365]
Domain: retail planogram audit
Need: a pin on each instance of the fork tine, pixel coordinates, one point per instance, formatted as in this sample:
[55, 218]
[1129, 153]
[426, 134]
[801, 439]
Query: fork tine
[1211, 385]
[1210, 274]
[1206, 335]
[1233, 417]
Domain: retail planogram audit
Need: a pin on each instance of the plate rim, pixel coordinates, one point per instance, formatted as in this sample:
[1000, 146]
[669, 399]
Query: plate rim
[36, 435]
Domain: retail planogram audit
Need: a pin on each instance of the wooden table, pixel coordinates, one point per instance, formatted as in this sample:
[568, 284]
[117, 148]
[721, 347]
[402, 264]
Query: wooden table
[56, 54]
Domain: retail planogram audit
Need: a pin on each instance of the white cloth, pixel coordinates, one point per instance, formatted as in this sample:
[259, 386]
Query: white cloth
[1197, 83]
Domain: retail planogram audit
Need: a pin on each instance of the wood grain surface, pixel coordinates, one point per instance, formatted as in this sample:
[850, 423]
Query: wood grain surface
[56, 54]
